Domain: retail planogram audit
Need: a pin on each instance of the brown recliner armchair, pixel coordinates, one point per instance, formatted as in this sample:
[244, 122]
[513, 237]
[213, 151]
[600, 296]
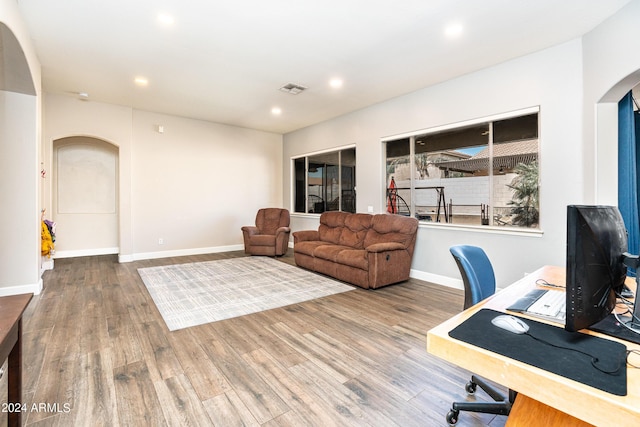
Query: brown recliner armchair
[270, 235]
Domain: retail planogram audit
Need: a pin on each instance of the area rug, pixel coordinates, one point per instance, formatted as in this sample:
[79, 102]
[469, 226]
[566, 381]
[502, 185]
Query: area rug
[196, 293]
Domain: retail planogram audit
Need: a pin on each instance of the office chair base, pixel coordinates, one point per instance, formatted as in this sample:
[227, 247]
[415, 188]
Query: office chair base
[502, 406]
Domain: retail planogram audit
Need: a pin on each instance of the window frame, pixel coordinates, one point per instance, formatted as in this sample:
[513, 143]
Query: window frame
[306, 156]
[516, 230]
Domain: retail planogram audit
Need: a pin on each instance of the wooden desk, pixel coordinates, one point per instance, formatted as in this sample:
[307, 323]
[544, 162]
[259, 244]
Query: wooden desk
[11, 309]
[533, 384]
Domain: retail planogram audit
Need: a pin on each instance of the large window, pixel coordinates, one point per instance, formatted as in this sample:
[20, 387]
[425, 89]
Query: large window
[325, 182]
[480, 173]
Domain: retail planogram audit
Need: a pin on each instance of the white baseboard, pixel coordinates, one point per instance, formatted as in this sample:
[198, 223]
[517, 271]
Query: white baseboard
[180, 252]
[86, 252]
[34, 288]
[125, 258]
[437, 279]
[46, 264]
[147, 255]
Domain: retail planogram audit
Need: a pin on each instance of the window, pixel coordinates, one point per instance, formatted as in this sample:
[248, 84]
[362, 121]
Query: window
[480, 173]
[325, 182]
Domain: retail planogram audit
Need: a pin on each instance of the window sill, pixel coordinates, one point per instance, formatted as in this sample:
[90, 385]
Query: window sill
[511, 231]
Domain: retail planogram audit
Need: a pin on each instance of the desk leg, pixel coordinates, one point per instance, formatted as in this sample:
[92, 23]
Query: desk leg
[14, 380]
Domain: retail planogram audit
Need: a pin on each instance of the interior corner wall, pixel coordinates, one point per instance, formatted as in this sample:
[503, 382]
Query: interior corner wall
[196, 183]
[19, 216]
[550, 79]
[19, 162]
[183, 191]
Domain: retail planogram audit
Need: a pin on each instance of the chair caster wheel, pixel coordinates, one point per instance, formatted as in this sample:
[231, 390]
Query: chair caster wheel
[470, 388]
[452, 417]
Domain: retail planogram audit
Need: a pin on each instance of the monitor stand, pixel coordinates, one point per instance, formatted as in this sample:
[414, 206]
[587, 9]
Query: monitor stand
[610, 325]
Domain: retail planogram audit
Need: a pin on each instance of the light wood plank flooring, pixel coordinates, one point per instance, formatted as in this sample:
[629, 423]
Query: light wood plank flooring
[97, 352]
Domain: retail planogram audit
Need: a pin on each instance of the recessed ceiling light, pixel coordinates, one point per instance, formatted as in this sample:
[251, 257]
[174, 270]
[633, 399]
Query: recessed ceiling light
[141, 81]
[276, 111]
[453, 30]
[165, 19]
[335, 83]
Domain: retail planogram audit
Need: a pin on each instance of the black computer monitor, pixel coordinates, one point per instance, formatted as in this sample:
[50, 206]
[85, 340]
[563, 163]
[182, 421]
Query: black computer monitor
[596, 247]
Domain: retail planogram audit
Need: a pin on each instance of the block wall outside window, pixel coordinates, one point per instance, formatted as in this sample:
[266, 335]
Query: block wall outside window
[484, 173]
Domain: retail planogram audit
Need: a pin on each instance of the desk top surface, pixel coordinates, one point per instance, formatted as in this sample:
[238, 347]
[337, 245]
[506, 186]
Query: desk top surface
[11, 309]
[584, 402]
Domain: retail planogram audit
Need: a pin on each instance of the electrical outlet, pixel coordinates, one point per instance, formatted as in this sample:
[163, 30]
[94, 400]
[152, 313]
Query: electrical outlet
[370, 209]
[161, 241]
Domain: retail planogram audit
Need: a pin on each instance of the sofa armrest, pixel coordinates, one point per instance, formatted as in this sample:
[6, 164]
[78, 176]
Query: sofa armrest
[249, 230]
[283, 230]
[385, 246]
[305, 235]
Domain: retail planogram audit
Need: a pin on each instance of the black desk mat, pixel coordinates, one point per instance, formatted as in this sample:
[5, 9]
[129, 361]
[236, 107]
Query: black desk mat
[479, 331]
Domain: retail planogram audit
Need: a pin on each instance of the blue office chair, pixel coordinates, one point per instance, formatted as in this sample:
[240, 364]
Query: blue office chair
[479, 283]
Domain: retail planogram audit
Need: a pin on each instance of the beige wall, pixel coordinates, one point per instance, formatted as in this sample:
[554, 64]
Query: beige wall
[192, 186]
[197, 183]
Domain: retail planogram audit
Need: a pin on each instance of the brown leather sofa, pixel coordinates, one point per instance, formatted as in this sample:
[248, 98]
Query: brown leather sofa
[270, 235]
[369, 251]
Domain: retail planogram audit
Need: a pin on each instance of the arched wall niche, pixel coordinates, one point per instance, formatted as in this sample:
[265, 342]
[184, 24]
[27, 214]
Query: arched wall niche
[85, 190]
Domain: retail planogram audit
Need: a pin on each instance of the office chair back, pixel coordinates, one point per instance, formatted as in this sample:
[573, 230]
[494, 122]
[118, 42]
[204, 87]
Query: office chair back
[477, 273]
[479, 283]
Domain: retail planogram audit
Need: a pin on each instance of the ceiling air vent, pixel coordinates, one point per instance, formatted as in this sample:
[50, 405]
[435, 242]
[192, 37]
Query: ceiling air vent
[292, 88]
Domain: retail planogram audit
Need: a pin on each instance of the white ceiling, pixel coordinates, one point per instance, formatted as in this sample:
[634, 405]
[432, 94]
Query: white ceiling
[224, 61]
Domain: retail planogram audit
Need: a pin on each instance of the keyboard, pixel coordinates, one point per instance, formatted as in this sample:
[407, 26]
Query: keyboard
[551, 304]
[548, 304]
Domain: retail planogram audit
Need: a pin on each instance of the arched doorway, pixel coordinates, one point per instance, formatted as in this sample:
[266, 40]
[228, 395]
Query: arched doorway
[606, 132]
[85, 196]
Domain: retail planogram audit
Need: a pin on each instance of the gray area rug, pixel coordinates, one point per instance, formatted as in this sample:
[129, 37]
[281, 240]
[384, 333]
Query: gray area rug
[202, 292]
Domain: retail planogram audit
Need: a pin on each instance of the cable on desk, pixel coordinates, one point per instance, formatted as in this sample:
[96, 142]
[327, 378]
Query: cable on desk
[630, 306]
[542, 282]
[594, 360]
[629, 353]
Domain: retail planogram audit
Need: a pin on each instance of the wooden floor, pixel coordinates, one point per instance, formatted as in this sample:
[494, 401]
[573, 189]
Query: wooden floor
[97, 352]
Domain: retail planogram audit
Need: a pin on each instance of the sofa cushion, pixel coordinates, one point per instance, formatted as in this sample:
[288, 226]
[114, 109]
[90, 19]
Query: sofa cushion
[308, 247]
[391, 228]
[331, 226]
[355, 230]
[329, 252]
[354, 258]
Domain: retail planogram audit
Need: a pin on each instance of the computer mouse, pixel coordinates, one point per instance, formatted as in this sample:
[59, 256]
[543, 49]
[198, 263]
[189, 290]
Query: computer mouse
[510, 323]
